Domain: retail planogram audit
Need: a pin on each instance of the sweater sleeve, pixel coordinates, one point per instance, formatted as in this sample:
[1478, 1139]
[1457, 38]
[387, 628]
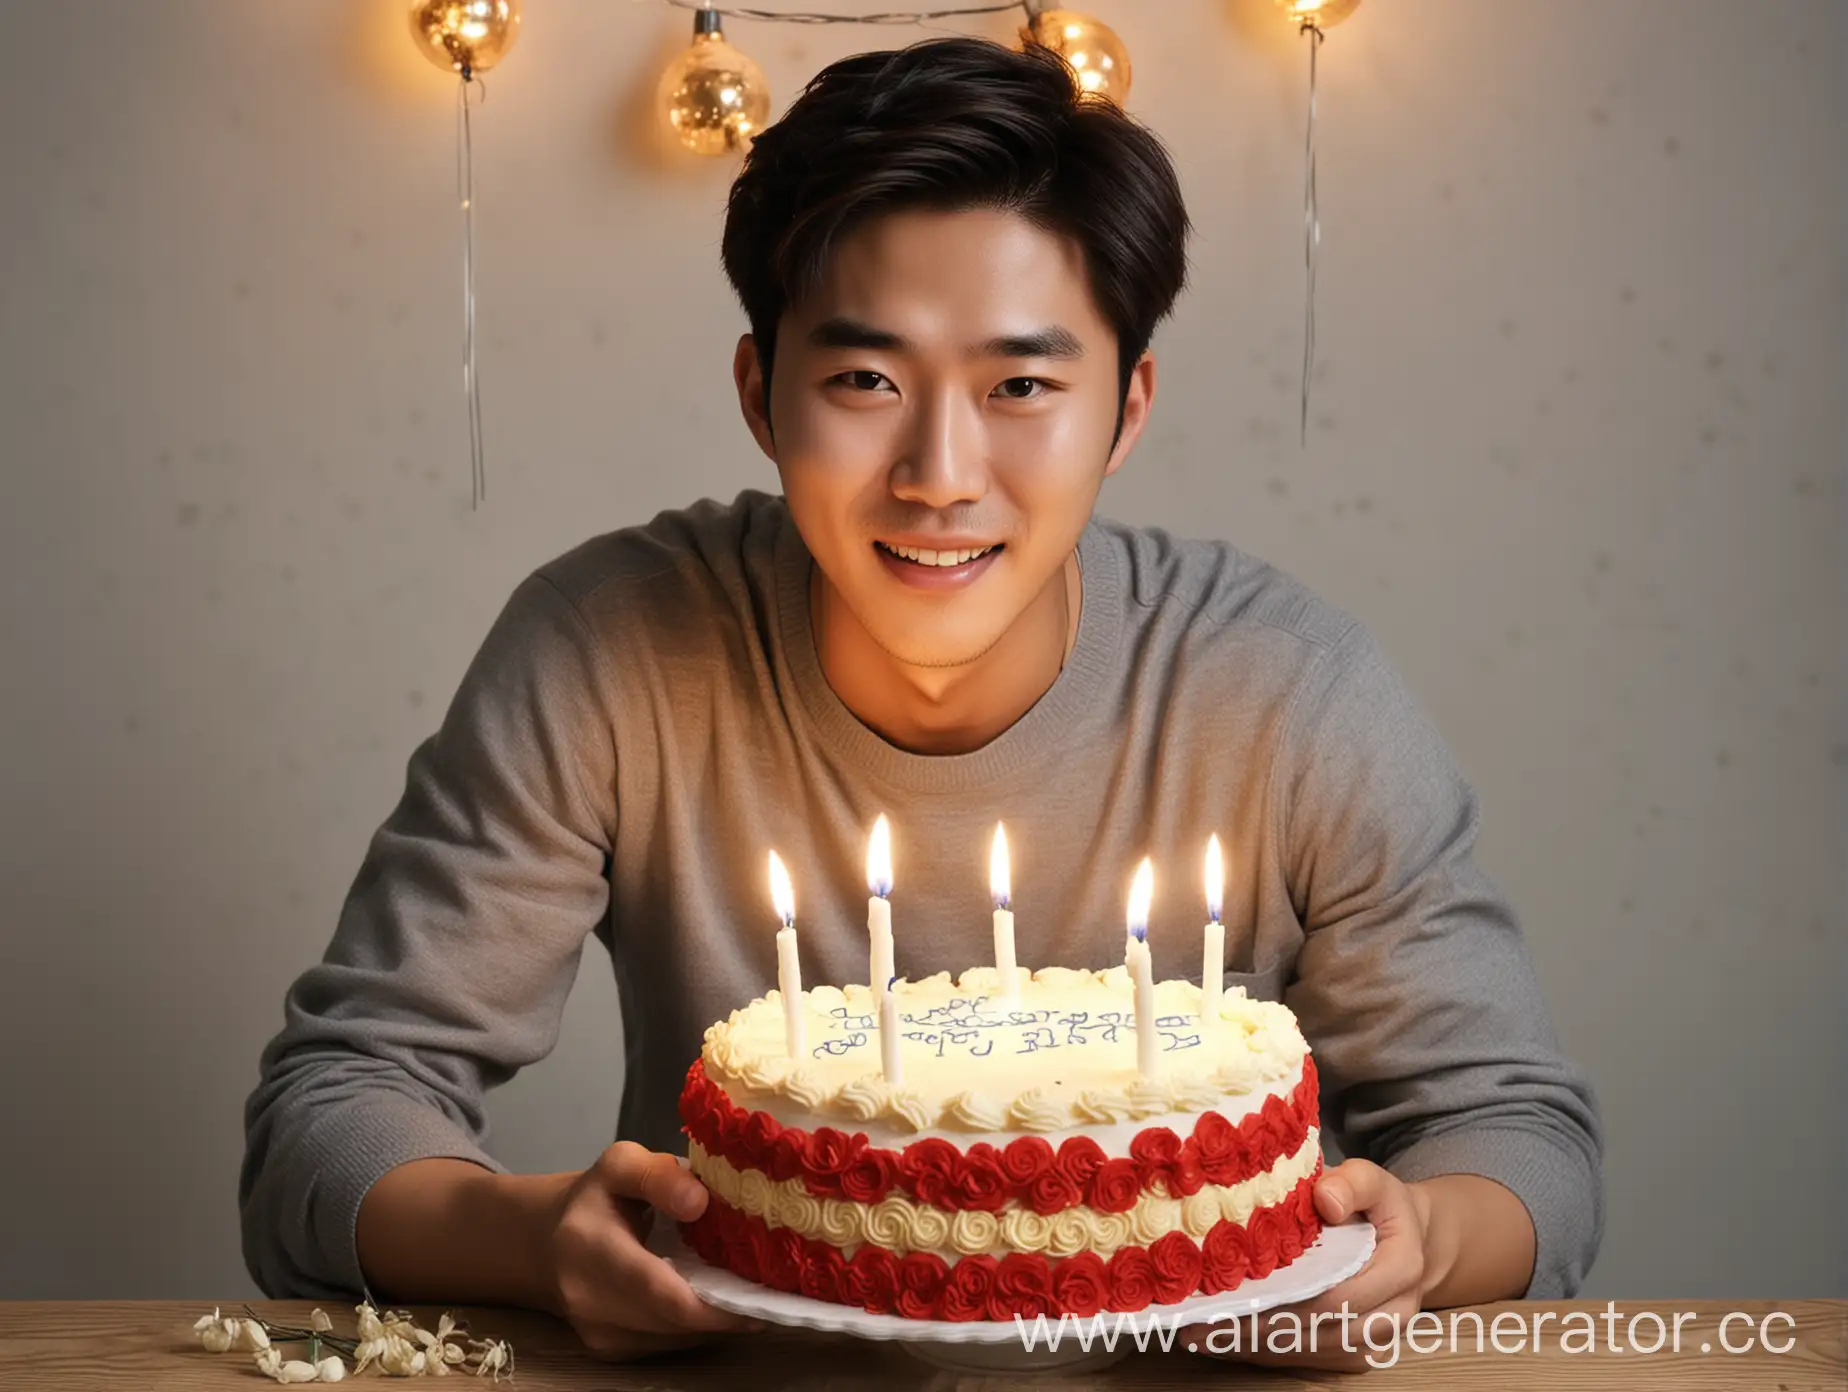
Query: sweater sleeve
[1413, 984]
[454, 953]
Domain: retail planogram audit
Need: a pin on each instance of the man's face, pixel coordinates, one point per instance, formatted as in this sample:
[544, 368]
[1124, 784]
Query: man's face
[943, 407]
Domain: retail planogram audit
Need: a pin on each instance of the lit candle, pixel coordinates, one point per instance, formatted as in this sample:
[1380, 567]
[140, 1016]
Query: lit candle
[888, 1034]
[1213, 967]
[1141, 970]
[879, 907]
[1004, 917]
[788, 969]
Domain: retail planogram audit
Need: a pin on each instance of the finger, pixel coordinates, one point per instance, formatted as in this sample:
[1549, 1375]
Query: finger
[676, 1304]
[1394, 1273]
[630, 1287]
[641, 1217]
[655, 1178]
[1397, 1261]
[1351, 1187]
[1395, 1268]
[607, 1276]
[1395, 1283]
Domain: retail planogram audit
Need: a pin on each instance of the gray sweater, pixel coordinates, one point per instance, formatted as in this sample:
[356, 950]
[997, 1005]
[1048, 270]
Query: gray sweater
[648, 717]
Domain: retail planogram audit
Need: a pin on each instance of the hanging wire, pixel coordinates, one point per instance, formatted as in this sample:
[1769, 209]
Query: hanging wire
[1312, 230]
[465, 180]
[889, 17]
[465, 193]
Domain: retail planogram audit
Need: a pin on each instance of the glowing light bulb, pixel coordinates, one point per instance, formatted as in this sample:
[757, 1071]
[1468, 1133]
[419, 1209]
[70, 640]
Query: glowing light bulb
[1091, 49]
[714, 98]
[1321, 14]
[465, 36]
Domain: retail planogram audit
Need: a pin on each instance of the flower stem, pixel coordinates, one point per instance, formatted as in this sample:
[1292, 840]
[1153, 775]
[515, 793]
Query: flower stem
[288, 1334]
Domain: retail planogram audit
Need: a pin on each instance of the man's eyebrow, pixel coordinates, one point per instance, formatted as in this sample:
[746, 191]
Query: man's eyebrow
[1053, 341]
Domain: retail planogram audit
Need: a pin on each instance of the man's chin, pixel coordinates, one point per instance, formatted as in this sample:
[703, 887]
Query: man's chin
[937, 652]
[931, 632]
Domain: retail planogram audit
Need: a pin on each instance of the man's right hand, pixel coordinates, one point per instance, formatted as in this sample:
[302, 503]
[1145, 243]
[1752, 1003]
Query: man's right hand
[604, 1280]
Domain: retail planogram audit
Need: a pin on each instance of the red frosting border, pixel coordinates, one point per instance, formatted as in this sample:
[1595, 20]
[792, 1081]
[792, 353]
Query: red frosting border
[836, 1164]
[921, 1285]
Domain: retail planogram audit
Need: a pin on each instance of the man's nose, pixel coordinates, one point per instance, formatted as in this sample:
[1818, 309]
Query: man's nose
[945, 458]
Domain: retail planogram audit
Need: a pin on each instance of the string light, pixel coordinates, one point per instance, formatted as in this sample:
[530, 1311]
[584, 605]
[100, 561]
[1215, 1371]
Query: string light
[1311, 17]
[715, 99]
[467, 37]
[714, 108]
[798, 17]
[1322, 14]
[1099, 60]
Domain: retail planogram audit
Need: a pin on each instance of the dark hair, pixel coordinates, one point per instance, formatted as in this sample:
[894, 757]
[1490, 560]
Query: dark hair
[952, 125]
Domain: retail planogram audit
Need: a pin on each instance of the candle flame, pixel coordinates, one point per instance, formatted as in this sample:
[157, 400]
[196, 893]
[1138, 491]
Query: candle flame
[999, 883]
[1215, 879]
[782, 894]
[1141, 896]
[879, 859]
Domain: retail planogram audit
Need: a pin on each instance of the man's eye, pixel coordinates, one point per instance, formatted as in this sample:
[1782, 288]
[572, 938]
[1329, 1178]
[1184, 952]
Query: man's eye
[1029, 395]
[1013, 389]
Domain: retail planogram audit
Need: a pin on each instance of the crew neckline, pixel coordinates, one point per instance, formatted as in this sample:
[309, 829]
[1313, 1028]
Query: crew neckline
[1046, 728]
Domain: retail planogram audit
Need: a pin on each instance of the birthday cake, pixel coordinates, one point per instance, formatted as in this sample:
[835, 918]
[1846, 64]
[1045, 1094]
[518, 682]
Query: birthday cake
[1028, 1161]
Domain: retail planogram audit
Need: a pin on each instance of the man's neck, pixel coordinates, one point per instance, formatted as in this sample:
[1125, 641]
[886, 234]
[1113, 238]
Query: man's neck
[947, 710]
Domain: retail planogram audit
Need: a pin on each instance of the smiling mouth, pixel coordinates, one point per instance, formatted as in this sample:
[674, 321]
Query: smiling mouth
[921, 556]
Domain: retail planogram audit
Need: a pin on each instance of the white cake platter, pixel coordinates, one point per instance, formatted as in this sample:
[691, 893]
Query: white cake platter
[994, 1345]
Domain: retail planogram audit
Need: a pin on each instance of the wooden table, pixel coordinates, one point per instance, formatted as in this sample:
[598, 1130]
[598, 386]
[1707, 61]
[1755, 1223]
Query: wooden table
[53, 1346]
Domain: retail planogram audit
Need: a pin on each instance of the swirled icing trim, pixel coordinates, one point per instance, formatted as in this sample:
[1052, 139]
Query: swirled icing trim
[1271, 1048]
[923, 1285]
[1027, 1171]
[902, 1225]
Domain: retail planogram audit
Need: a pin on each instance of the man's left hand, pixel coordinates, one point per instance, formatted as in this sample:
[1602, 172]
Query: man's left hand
[1390, 1287]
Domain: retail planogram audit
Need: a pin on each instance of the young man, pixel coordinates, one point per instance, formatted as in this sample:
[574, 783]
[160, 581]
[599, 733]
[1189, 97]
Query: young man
[952, 269]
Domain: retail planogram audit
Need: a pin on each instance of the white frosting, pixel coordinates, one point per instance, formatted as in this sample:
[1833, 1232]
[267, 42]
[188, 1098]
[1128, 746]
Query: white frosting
[1112, 1137]
[1061, 1060]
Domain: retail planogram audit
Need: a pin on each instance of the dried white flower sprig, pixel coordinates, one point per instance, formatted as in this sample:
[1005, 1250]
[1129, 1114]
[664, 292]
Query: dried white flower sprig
[389, 1342]
[220, 1335]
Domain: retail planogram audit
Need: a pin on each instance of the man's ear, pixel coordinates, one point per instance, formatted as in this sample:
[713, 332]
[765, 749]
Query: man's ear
[747, 373]
[1138, 401]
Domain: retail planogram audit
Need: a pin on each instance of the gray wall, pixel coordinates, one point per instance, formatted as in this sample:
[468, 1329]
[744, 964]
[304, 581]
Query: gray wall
[1577, 455]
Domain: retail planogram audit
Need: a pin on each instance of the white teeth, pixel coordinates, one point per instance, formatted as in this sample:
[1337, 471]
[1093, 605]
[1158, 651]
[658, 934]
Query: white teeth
[922, 556]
